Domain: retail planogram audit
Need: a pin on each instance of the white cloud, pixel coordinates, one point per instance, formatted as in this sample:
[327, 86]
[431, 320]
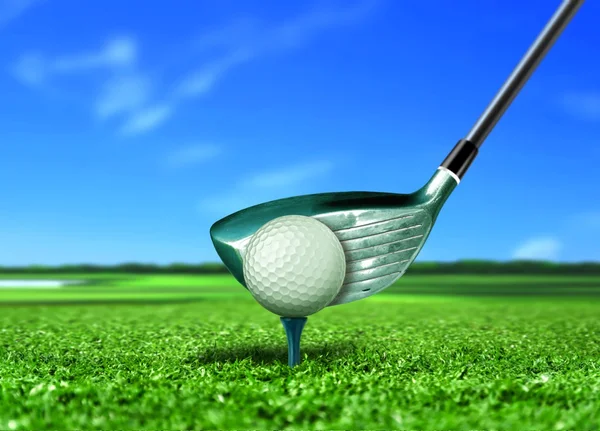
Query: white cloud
[290, 176]
[34, 69]
[116, 53]
[30, 69]
[223, 205]
[238, 32]
[583, 105]
[126, 90]
[193, 154]
[305, 27]
[13, 9]
[146, 119]
[245, 40]
[543, 248]
[203, 80]
[129, 92]
[123, 93]
[265, 186]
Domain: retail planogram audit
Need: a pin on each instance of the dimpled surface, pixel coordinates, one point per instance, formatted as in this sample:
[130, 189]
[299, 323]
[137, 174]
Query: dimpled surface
[294, 266]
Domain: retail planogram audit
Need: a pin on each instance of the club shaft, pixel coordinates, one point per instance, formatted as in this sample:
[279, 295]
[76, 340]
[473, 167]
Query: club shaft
[465, 151]
[523, 71]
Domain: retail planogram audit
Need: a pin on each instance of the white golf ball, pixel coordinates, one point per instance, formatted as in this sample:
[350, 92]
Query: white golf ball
[294, 266]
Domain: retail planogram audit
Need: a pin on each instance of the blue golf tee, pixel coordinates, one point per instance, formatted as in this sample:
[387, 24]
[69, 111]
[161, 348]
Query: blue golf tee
[293, 330]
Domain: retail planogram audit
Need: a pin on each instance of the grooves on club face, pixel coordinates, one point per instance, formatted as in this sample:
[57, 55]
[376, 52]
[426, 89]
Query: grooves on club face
[381, 233]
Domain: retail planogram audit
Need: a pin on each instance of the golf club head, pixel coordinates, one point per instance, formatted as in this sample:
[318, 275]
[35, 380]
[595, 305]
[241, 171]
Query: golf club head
[381, 233]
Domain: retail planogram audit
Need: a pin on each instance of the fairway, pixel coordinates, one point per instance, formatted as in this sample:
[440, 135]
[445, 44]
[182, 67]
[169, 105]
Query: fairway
[192, 352]
[146, 288]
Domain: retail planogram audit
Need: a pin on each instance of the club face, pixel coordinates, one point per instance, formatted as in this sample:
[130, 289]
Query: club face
[379, 245]
[381, 233]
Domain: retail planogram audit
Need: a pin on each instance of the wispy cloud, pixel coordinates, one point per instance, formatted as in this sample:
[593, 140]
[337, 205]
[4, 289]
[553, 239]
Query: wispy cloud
[204, 79]
[301, 30]
[246, 40]
[146, 119]
[192, 155]
[235, 33]
[33, 68]
[30, 69]
[127, 92]
[543, 248]
[130, 93]
[290, 176]
[585, 106]
[225, 204]
[13, 9]
[266, 185]
[119, 52]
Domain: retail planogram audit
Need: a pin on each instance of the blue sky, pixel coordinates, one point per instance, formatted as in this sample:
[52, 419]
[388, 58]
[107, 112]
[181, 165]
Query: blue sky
[129, 127]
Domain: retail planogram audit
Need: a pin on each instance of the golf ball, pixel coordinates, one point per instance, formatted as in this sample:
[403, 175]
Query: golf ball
[294, 266]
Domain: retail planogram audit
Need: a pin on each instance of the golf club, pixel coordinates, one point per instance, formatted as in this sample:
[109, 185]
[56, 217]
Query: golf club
[382, 233]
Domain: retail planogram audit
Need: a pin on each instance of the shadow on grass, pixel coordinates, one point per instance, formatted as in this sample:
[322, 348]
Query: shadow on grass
[271, 354]
[115, 301]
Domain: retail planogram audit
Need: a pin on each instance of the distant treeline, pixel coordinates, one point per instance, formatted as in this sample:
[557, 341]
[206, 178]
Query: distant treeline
[423, 268]
[507, 267]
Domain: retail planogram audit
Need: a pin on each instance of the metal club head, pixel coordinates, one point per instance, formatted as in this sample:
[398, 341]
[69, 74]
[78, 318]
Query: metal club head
[382, 233]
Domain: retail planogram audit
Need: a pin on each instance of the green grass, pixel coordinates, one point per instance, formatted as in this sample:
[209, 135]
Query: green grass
[393, 361]
[124, 288]
[146, 288]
